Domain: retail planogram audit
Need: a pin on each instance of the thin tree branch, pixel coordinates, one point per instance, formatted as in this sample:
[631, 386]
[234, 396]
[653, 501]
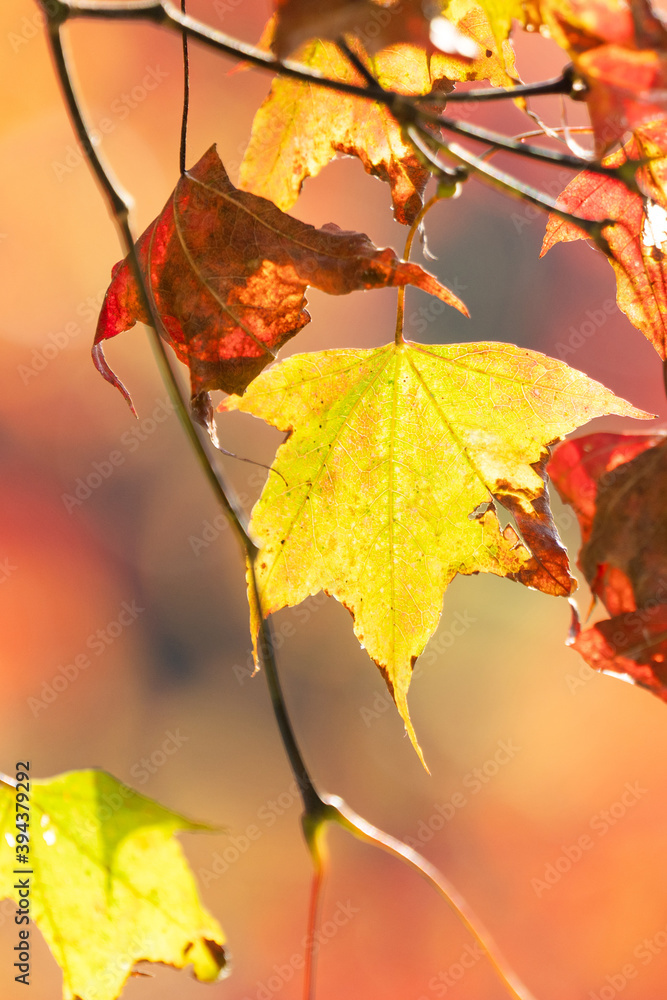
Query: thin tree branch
[539, 153]
[165, 14]
[506, 183]
[560, 85]
[119, 205]
[361, 68]
[315, 837]
[406, 109]
[186, 100]
[339, 812]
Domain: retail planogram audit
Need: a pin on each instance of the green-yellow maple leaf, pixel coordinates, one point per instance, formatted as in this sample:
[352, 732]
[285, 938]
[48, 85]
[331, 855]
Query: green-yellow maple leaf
[109, 884]
[389, 476]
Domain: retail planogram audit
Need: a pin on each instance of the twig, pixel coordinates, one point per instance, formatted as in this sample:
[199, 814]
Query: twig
[163, 12]
[405, 109]
[361, 68]
[186, 99]
[341, 813]
[504, 182]
[119, 205]
[314, 833]
[539, 153]
[400, 306]
[560, 85]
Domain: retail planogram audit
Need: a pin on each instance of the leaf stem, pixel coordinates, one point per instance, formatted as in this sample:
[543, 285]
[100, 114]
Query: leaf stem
[400, 305]
[186, 100]
[314, 832]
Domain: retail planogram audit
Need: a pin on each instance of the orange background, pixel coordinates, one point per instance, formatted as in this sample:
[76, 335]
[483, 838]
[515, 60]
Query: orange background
[182, 666]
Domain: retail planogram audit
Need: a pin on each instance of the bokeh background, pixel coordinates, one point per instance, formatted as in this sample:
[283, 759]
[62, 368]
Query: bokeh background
[150, 533]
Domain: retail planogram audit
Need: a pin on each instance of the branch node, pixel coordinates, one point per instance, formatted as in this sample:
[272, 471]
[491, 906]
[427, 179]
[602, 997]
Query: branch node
[55, 12]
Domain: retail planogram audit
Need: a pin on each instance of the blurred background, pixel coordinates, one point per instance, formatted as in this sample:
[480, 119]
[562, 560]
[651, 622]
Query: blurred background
[534, 750]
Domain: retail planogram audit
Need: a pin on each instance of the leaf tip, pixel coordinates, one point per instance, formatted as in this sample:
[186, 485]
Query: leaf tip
[210, 963]
[401, 703]
[106, 372]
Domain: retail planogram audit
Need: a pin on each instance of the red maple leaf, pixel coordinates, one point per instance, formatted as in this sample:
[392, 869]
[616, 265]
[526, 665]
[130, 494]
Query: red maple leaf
[617, 484]
[227, 272]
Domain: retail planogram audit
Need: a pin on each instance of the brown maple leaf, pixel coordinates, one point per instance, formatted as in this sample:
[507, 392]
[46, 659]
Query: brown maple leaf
[617, 485]
[638, 240]
[228, 272]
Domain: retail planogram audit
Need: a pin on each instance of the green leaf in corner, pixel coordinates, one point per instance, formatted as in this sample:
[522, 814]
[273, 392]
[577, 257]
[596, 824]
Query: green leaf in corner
[110, 885]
